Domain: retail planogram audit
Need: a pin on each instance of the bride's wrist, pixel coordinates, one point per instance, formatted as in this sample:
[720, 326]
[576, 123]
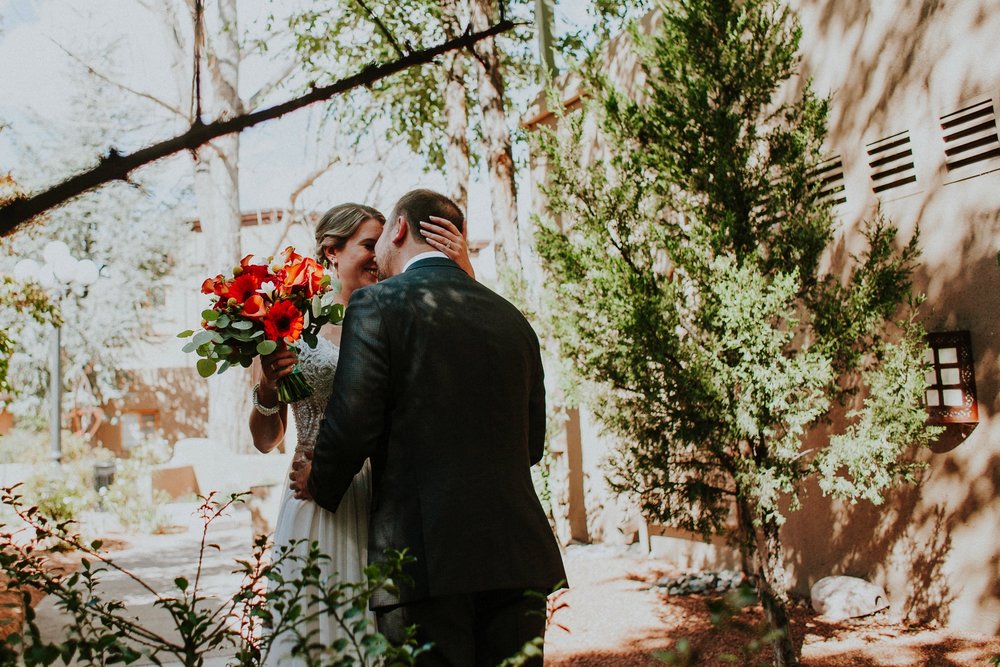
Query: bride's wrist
[265, 398]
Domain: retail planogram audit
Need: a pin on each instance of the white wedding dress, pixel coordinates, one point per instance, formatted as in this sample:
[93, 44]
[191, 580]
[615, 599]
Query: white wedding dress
[343, 536]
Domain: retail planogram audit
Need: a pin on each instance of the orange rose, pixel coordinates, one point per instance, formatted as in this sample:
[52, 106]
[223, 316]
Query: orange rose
[306, 273]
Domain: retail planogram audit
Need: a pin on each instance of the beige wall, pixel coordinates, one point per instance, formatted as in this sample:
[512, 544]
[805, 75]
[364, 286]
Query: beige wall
[893, 66]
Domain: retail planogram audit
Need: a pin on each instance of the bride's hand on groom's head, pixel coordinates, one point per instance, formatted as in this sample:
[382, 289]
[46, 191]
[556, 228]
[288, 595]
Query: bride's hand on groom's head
[441, 234]
[277, 365]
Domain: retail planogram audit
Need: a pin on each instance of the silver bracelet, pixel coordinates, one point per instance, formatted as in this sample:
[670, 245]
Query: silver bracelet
[263, 409]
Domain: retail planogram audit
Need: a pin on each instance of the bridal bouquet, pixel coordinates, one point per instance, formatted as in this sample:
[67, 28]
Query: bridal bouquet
[265, 304]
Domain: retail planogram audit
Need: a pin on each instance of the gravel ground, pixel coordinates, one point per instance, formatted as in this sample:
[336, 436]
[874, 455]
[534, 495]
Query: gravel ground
[616, 615]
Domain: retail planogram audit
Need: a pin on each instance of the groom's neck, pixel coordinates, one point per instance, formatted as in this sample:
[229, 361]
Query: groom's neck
[408, 252]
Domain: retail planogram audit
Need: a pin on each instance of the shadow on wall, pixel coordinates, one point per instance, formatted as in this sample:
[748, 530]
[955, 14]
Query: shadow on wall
[893, 47]
[892, 67]
[908, 541]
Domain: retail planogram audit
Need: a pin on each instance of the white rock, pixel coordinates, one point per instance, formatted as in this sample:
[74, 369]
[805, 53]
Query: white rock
[837, 598]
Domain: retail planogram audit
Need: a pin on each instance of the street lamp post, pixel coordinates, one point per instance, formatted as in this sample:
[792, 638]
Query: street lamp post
[60, 274]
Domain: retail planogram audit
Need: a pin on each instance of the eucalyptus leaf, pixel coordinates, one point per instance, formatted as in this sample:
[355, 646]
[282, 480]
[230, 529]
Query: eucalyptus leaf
[242, 325]
[202, 337]
[210, 315]
[266, 347]
[206, 367]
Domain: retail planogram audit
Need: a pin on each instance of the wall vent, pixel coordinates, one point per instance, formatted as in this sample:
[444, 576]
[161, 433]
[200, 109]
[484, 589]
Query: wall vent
[970, 135]
[830, 176]
[891, 162]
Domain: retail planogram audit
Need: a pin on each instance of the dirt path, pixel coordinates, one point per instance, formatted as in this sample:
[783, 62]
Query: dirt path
[616, 615]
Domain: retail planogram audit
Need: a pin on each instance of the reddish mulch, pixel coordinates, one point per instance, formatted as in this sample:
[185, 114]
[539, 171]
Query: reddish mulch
[617, 616]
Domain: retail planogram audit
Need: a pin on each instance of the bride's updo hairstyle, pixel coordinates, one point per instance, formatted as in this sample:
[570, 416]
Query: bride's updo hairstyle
[339, 224]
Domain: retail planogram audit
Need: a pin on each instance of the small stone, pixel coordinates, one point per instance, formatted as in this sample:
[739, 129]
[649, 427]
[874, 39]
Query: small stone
[839, 598]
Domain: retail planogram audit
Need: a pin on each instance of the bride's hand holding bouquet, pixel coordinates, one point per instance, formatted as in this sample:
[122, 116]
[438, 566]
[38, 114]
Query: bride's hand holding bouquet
[264, 308]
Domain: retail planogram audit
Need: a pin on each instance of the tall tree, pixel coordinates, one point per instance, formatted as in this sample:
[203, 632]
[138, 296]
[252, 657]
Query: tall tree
[688, 286]
[497, 142]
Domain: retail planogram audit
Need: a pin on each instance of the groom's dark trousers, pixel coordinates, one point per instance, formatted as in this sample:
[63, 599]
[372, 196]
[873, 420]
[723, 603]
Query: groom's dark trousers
[440, 384]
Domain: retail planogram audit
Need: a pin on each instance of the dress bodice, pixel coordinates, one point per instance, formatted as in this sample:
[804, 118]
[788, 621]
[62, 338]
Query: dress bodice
[318, 365]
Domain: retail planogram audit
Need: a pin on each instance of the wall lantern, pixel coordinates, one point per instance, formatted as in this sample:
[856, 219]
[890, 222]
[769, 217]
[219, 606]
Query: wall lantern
[950, 397]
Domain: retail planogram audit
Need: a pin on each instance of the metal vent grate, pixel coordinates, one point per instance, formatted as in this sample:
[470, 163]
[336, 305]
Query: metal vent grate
[830, 176]
[970, 135]
[891, 162]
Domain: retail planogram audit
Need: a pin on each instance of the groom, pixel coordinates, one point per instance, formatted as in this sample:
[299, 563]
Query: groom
[439, 383]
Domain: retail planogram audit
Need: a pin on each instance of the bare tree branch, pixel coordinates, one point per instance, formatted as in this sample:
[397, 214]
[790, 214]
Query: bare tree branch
[381, 26]
[116, 166]
[291, 214]
[103, 77]
[270, 86]
[199, 45]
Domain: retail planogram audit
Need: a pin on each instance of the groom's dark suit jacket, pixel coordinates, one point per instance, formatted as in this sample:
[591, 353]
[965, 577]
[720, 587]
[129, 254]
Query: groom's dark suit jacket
[439, 383]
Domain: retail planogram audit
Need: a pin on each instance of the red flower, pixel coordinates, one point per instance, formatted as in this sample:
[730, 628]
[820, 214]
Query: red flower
[242, 288]
[283, 320]
[255, 308]
[261, 272]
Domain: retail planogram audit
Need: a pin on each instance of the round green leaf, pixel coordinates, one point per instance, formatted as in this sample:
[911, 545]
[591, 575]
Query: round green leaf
[266, 347]
[210, 315]
[206, 367]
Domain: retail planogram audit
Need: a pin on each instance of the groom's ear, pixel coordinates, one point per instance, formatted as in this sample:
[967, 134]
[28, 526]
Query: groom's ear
[399, 234]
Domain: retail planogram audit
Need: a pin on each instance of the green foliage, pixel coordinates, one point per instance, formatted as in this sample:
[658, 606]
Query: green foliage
[17, 299]
[102, 632]
[331, 35]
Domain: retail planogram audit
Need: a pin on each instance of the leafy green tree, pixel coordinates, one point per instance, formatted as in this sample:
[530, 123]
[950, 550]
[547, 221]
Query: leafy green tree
[687, 283]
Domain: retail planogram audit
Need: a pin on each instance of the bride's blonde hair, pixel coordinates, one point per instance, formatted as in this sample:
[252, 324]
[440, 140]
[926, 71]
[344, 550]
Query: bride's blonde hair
[339, 224]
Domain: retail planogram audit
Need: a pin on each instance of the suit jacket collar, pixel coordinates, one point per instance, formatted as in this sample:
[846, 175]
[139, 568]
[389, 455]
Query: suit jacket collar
[432, 261]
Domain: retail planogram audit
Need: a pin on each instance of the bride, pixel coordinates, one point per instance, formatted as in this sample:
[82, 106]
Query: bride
[345, 240]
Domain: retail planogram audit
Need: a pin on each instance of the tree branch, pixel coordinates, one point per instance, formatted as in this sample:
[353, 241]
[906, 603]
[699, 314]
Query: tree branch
[103, 77]
[291, 214]
[116, 166]
[381, 26]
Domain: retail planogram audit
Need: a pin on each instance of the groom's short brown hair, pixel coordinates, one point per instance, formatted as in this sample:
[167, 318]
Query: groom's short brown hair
[419, 205]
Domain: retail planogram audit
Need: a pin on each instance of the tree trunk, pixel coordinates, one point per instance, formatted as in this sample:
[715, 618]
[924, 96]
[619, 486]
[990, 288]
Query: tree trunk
[768, 571]
[456, 113]
[218, 193]
[499, 157]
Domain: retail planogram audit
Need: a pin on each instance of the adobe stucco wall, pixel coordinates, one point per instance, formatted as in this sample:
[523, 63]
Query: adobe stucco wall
[892, 67]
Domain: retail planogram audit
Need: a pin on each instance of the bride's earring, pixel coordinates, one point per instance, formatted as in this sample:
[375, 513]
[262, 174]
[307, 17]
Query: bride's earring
[336, 271]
